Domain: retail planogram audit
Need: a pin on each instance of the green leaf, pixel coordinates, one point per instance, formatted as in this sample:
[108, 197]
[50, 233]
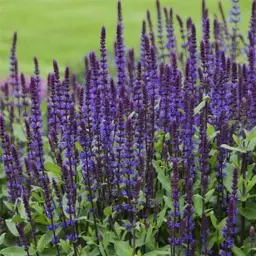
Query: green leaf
[19, 133]
[210, 130]
[161, 251]
[222, 223]
[236, 139]
[249, 211]
[198, 109]
[118, 228]
[37, 196]
[123, 248]
[32, 250]
[83, 252]
[2, 238]
[44, 107]
[157, 252]
[161, 218]
[82, 218]
[9, 205]
[46, 144]
[22, 211]
[138, 253]
[212, 240]
[16, 218]
[233, 148]
[219, 231]
[141, 234]
[198, 204]
[211, 133]
[164, 180]
[252, 145]
[250, 134]
[65, 245]
[89, 239]
[213, 219]
[65, 204]
[12, 227]
[79, 147]
[212, 137]
[108, 211]
[209, 194]
[102, 250]
[3, 191]
[37, 207]
[48, 252]
[168, 202]
[13, 251]
[237, 251]
[95, 252]
[41, 218]
[2, 172]
[149, 235]
[44, 240]
[227, 181]
[251, 183]
[53, 168]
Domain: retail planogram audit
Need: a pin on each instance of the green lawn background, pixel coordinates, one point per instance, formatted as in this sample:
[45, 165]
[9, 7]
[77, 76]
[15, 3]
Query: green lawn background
[69, 29]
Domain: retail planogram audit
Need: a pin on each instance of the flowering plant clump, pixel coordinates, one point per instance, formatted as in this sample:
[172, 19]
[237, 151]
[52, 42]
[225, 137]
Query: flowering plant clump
[157, 160]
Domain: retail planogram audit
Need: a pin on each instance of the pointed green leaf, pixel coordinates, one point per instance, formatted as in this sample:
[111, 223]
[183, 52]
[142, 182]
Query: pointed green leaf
[237, 251]
[108, 211]
[198, 204]
[249, 211]
[213, 219]
[157, 252]
[12, 227]
[2, 238]
[163, 179]
[79, 147]
[13, 251]
[198, 109]
[232, 148]
[236, 139]
[18, 132]
[227, 181]
[123, 248]
[9, 205]
[44, 240]
[209, 194]
[53, 168]
[251, 183]
[210, 130]
[252, 145]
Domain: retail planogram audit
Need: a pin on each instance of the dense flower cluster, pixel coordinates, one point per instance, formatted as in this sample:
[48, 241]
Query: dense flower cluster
[160, 157]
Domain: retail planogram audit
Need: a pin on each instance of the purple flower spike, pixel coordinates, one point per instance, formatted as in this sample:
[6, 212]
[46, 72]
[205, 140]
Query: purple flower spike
[174, 217]
[230, 230]
[189, 225]
[204, 236]
[36, 125]
[171, 43]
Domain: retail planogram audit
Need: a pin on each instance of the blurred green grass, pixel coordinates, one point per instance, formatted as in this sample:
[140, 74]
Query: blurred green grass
[68, 29]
